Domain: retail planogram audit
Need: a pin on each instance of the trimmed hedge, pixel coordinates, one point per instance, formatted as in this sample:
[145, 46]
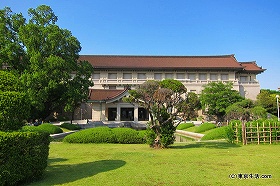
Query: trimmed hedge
[217, 133]
[23, 156]
[46, 127]
[204, 127]
[183, 126]
[105, 135]
[70, 126]
[14, 108]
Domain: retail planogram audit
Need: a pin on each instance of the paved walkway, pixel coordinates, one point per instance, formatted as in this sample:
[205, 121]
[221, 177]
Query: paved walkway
[190, 134]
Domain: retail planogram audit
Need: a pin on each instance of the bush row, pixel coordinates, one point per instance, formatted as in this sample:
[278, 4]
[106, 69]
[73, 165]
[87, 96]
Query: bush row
[106, 135]
[46, 127]
[70, 126]
[23, 156]
[183, 126]
[204, 127]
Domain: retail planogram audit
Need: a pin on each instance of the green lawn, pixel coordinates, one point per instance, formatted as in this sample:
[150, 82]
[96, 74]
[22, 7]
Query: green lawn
[192, 163]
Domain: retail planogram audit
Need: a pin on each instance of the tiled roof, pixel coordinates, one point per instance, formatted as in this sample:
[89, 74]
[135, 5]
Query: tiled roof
[162, 62]
[105, 95]
[252, 66]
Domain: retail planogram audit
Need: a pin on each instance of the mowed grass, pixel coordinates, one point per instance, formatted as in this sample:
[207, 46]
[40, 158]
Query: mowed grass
[191, 163]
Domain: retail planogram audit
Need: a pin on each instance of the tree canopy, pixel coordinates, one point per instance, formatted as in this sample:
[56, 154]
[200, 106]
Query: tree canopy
[217, 96]
[163, 100]
[46, 58]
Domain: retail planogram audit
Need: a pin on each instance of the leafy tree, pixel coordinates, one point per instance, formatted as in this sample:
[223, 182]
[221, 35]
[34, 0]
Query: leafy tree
[163, 100]
[245, 110]
[216, 97]
[46, 57]
[267, 100]
[190, 106]
[14, 105]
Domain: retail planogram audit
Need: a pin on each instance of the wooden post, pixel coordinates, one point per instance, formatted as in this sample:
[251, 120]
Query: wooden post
[258, 133]
[244, 133]
[270, 134]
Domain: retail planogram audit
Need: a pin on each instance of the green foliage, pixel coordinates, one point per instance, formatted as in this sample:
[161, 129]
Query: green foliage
[9, 81]
[267, 100]
[190, 106]
[167, 136]
[217, 133]
[127, 136]
[204, 127]
[70, 126]
[106, 135]
[216, 97]
[14, 108]
[183, 126]
[46, 127]
[23, 156]
[164, 101]
[150, 136]
[45, 57]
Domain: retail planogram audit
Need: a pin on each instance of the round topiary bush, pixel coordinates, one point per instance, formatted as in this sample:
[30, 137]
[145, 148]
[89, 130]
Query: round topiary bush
[183, 126]
[204, 127]
[46, 127]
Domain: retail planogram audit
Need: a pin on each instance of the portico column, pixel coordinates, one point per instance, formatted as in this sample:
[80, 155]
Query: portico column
[135, 112]
[118, 112]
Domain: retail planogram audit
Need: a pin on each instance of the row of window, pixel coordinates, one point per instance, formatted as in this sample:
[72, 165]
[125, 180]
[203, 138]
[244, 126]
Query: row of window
[160, 76]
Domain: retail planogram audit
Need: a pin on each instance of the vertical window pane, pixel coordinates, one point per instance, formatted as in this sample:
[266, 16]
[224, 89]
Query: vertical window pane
[158, 76]
[191, 76]
[213, 77]
[141, 76]
[127, 75]
[112, 75]
[202, 77]
[180, 76]
[224, 76]
[169, 76]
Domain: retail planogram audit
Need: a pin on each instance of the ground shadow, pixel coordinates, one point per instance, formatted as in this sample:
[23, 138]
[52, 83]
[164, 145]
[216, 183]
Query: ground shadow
[61, 174]
[206, 144]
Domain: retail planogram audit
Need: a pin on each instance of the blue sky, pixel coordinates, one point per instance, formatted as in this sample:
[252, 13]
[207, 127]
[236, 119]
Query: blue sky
[250, 29]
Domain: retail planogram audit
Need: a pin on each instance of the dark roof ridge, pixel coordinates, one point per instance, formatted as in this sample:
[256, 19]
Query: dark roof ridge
[165, 56]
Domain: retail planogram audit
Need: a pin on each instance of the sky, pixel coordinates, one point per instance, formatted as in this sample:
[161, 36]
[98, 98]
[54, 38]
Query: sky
[250, 29]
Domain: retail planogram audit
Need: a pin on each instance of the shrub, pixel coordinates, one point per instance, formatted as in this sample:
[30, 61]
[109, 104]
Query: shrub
[183, 126]
[106, 135]
[14, 108]
[92, 135]
[46, 127]
[70, 126]
[217, 133]
[23, 156]
[204, 127]
[127, 135]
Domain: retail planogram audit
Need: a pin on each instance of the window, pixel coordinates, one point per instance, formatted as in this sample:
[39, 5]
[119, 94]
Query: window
[243, 78]
[224, 76]
[141, 76]
[180, 76]
[191, 76]
[158, 76]
[127, 76]
[112, 87]
[169, 76]
[213, 77]
[112, 75]
[202, 77]
[96, 76]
